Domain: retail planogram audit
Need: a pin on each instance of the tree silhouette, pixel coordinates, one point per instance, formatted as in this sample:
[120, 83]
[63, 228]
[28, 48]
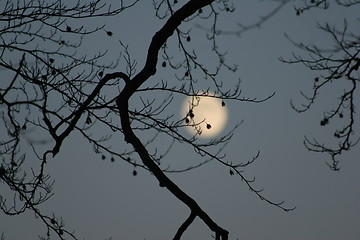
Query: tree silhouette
[55, 90]
[338, 63]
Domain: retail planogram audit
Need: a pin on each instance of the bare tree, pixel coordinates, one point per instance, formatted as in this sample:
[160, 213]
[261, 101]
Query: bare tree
[339, 63]
[55, 91]
[48, 93]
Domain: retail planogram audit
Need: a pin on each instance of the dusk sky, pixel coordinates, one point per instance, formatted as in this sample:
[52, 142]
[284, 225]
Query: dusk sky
[99, 199]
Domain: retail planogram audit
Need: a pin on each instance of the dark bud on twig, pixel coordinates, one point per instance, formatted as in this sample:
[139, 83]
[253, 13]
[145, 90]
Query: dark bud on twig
[109, 33]
[191, 113]
[68, 29]
[324, 122]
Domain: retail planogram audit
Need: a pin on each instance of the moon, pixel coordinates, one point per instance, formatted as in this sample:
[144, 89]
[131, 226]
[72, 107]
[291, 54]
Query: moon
[204, 116]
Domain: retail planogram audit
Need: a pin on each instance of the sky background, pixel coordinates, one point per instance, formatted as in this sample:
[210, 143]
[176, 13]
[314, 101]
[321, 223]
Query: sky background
[100, 199]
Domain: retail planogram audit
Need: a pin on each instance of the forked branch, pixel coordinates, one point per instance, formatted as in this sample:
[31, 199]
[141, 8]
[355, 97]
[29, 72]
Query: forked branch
[122, 102]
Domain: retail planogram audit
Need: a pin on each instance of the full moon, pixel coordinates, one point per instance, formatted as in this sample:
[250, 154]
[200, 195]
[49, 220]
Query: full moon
[205, 116]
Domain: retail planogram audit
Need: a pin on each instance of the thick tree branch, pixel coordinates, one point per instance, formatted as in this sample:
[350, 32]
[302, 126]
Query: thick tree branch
[184, 226]
[158, 40]
[163, 179]
[77, 114]
[122, 102]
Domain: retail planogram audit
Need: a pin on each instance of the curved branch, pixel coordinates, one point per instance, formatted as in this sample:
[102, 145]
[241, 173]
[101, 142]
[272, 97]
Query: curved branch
[77, 114]
[184, 226]
[122, 103]
[164, 181]
[159, 40]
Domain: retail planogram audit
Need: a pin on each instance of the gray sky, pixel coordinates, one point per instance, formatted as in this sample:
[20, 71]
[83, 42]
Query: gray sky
[100, 199]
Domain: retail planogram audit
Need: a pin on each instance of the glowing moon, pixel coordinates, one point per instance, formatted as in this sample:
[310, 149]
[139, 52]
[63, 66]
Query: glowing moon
[205, 116]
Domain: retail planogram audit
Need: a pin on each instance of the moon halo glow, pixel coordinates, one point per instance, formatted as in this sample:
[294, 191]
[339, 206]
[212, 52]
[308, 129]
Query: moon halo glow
[204, 116]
